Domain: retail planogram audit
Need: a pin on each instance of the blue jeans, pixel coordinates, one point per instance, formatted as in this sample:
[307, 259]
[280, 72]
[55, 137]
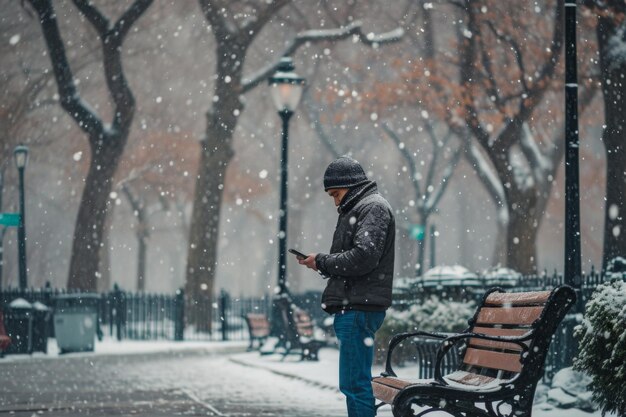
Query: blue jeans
[355, 333]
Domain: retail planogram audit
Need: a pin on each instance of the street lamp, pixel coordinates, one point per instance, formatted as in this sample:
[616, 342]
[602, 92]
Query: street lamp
[21, 159]
[573, 268]
[286, 89]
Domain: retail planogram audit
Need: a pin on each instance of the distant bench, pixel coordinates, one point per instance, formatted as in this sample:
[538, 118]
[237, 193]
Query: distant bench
[5, 340]
[258, 329]
[299, 331]
[506, 345]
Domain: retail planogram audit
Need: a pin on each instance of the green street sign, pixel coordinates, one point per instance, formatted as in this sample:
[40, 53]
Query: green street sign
[10, 219]
[416, 232]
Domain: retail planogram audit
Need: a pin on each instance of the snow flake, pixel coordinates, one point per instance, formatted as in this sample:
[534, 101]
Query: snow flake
[14, 40]
[617, 231]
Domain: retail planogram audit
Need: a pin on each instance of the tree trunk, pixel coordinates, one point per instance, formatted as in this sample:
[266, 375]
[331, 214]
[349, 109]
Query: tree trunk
[499, 251]
[104, 283]
[615, 219]
[421, 253]
[610, 37]
[84, 273]
[522, 232]
[204, 234]
[141, 260]
[217, 152]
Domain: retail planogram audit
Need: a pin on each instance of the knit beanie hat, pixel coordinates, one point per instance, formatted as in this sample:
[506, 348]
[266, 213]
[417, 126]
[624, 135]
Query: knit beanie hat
[344, 172]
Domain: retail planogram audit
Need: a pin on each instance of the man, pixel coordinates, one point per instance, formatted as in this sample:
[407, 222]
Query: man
[360, 271]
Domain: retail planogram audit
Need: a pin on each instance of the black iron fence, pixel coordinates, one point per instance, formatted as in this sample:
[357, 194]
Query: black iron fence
[473, 288]
[144, 316]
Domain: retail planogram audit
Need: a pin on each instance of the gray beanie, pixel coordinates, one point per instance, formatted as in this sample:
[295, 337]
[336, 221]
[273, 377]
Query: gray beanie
[344, 172]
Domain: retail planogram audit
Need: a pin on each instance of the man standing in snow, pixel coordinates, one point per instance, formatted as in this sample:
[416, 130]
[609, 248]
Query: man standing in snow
[360, 273]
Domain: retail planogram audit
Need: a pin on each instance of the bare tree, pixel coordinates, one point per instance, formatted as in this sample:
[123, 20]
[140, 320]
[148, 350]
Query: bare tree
[611, 36]
[428, 189]
[235, 26]
[107, 141]
[142, 212]
[506, 147]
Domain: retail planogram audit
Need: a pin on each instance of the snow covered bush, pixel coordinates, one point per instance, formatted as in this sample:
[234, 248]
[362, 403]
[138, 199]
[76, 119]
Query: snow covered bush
[602, 348]
[616, 268]
[433, 315]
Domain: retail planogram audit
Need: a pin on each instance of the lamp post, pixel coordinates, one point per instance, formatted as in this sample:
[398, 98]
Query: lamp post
[572, 204]
[21, 159]
[573, 268]
[286, 89]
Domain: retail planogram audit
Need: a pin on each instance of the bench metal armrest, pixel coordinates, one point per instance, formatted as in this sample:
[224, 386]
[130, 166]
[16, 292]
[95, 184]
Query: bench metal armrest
[450, 341]
[397, 339]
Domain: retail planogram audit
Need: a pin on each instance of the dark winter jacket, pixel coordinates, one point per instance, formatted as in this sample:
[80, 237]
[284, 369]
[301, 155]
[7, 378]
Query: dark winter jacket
[361, 259]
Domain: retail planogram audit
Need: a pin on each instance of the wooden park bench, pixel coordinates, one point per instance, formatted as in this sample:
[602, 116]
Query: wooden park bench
[505, 348]
[5, 340]
[299, 331]
[258, 329]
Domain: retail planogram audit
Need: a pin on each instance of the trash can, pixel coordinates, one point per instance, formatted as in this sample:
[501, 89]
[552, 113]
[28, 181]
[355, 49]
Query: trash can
[76, 321]
[42, 315]
[18, 319]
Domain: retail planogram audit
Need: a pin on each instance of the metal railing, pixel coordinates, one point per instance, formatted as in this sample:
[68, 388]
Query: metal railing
[144, 316]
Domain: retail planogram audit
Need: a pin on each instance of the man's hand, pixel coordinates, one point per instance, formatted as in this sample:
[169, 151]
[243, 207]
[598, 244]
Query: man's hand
[309, 261]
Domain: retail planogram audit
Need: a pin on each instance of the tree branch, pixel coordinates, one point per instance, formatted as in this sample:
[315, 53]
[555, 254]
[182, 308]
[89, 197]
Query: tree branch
[221, 27]
[112, 39]
[128, 19]
[485, 175]
[312, 36]
[541, 82]
[70, 100]
[517, 51]
[252, 28]
[430, 175]
[97, 19]
[408, 158]
[432, 203]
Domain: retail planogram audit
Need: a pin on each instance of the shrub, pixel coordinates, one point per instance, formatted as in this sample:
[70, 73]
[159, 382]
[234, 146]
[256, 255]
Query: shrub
[433, 315]
[602, 348]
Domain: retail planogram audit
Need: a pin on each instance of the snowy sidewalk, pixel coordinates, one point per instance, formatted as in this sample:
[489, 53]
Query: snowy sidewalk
[324, 374]
[110, 346]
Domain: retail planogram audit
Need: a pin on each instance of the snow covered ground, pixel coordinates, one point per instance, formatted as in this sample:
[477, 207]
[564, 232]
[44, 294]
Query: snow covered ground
[110, 346]
[321, 374]
[324, 374]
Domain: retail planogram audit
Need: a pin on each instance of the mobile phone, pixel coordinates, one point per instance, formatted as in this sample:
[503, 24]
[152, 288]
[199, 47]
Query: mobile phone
[299, 255]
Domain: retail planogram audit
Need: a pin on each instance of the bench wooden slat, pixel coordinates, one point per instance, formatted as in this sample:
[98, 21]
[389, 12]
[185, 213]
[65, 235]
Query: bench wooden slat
[386, 389]
[518, 298]
[504, 315]
[493, 360]
[491, 331]
[498, 331]
[469, 378]
[489, 344]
